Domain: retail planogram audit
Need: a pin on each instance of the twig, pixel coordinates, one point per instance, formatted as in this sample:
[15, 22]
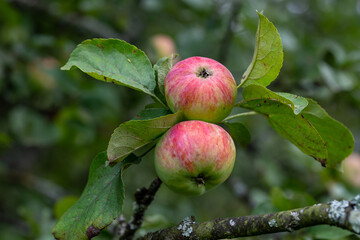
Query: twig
[343, 214]
[143, 198]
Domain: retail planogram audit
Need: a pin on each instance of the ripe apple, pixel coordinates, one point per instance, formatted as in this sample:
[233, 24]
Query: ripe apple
[202, 88]
[194, 156]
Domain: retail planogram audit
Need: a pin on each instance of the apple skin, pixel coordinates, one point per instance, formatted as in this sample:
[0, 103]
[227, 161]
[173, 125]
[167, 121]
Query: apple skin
[194, 156]
[202, 88]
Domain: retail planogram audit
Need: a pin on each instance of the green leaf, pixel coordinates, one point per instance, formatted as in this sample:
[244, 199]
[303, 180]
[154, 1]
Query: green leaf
[150, 113]
[134, 134]
[293, 127]
[162, 67]
[268, 55]
[308, 125]
[100, 203]
[116, 61]
[338, 139]
[290, 199]
[239, 133]
[296, 103]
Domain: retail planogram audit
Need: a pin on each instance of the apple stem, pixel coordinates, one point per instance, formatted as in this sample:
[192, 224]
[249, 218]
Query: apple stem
[239, 115]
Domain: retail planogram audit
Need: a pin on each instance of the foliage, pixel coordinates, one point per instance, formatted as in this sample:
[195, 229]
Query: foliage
[132, 135]
[303, 122]
[100, 203]
[53, 122]
[268, 55]
[314, 132]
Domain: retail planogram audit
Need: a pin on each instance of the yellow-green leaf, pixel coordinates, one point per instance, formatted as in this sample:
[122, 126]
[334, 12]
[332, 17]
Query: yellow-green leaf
[268, 55]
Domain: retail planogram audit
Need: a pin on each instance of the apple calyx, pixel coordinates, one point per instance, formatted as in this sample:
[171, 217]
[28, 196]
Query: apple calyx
[200, 180]
[204, 73]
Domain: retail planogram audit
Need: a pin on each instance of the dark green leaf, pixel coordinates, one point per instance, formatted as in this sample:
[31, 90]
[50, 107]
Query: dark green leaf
[253, 92]
[293, 127]
[114, 60]
[338, 139]
[100, 203]
[131, 159]
[134, 134]
[239, 133]
[268, 55]
[313, 131]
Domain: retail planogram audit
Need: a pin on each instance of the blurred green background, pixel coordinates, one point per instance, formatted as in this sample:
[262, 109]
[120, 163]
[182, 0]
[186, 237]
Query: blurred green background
[53, 123]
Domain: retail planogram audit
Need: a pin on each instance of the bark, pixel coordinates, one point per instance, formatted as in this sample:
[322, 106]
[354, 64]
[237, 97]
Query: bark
[143, 198]
[343, 214]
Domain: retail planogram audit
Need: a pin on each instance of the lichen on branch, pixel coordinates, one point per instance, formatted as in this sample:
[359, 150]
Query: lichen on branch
[343, 214]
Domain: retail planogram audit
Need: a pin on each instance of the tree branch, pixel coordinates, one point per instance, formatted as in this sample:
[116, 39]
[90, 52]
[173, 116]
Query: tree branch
[143, 198]
[343, 214]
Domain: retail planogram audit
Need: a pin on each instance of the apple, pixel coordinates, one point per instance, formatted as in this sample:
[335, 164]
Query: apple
[194, 156]
[164, 45]
[202, 88]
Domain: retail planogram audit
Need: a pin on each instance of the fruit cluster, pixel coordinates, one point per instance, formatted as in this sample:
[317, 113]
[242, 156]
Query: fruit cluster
[197, 155]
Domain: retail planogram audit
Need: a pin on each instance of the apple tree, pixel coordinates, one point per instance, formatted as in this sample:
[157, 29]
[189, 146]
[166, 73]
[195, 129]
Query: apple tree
[193, 153]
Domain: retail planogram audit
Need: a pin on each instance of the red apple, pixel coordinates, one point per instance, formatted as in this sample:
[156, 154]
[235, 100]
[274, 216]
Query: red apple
[202, 88]
[194, 156]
